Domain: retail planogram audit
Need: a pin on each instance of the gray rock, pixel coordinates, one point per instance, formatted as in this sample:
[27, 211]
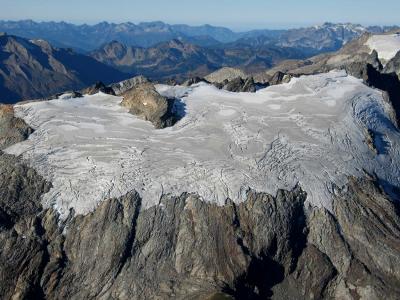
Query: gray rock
[12, 129]
[144, 101]
[393, 66]
[279, 77]
[123, 86]
[238, 85]
[99, 87]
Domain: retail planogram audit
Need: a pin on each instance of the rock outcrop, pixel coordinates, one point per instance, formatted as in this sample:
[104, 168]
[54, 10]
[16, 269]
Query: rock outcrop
[144, 101]
[224, 74]
[393, 66]
[98, 87]
[123, 86]
[12, 129]
[238, 85]
[194, 80]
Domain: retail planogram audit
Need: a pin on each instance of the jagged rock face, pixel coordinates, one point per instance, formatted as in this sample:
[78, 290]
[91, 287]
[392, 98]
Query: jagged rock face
[144, 101]
[238, 85]
[393, 66]
[12, 129]
[185, 248]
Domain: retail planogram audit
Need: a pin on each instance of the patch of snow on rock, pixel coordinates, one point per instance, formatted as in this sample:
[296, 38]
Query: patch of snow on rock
[310, 131]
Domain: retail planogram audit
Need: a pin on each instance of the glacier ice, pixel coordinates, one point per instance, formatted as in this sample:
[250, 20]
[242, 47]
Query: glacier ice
[311, 131]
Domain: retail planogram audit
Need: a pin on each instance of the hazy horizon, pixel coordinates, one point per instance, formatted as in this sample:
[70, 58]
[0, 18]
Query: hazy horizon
[272, 26]
[256, 14]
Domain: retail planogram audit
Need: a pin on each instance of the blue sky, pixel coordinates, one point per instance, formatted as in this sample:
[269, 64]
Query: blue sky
[235, 14]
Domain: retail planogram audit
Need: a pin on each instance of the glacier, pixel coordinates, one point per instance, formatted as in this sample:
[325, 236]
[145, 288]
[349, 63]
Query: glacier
[387, 45]
[312, 131]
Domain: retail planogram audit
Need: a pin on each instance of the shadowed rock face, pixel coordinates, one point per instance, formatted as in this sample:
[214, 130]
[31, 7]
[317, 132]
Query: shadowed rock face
[393, 66]
[185, 248]
[144, 101]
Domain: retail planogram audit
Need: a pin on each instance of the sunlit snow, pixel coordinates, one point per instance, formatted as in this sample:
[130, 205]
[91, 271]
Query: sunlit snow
[311, 131]
[387, 45]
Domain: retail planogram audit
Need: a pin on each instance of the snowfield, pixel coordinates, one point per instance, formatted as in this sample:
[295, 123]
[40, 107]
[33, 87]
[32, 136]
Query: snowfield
[311, 131]
[387, 46]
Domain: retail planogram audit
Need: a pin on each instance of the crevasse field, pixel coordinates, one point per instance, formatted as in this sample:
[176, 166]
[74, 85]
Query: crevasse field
[312, 131]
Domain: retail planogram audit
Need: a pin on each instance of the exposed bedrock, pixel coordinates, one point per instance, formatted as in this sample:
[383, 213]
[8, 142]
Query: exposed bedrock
[12, 129]
[98, 87]
[185, 248]
[123, 86]
[144, 101]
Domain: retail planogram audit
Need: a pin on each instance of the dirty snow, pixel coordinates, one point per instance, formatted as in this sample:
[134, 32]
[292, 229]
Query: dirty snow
[387, 45]
[310, 131]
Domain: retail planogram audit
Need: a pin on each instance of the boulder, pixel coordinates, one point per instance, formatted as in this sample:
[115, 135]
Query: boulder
[144, 101]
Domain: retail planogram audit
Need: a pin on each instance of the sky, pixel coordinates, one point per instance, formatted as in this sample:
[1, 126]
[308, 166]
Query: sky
[235, 14]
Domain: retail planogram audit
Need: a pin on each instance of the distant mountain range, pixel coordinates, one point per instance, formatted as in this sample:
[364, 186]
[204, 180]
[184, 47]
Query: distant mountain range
[50, 57]
[32, 69]
[328, 36]
[179, 60]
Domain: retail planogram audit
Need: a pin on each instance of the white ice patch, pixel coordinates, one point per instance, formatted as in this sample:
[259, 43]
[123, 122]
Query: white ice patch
[310, 131]
[387, 46]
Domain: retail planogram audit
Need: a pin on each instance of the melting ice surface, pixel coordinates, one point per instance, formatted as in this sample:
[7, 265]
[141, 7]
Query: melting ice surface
[311, 131]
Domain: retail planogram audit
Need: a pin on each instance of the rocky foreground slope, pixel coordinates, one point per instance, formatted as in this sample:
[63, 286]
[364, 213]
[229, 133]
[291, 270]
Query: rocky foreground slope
[184, 248]
[291, 192]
